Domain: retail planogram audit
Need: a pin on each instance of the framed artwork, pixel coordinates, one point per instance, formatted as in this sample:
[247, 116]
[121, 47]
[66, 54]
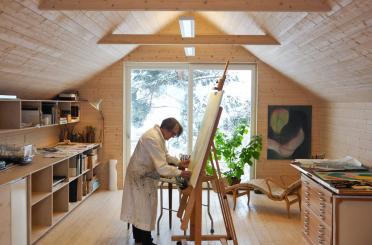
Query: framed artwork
[289, 132]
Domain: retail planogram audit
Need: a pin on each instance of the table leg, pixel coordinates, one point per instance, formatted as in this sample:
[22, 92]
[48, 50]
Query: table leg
[170, 189]
[161, 207]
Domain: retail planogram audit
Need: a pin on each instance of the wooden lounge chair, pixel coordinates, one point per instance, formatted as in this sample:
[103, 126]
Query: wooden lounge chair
[288, 193]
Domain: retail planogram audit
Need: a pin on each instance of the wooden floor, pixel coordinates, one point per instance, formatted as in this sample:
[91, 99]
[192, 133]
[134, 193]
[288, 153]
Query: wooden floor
[96, 221]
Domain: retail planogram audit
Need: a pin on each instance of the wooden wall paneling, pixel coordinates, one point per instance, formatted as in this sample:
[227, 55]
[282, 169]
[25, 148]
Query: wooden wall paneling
[70, 28]
[107, 85]
[242, 23]
[321, 48]
[347, 131]
[40, 137]
[276, 89]
[272, 87]
[349, 18]
[101, 21]
[215, 54]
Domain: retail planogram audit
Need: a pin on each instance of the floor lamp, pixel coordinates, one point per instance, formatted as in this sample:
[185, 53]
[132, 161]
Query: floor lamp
[97, 106]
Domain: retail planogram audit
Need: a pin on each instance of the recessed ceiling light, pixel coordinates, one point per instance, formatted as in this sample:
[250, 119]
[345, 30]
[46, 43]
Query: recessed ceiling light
[190, 51]
[187, 26]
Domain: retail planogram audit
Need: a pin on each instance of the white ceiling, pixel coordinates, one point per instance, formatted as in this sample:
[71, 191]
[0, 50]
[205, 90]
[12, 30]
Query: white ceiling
[45, 52]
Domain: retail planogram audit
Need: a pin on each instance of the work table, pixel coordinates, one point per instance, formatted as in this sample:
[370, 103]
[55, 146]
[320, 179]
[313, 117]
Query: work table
[40, 162]
[36, 196]
[310, 172]
[329, 215]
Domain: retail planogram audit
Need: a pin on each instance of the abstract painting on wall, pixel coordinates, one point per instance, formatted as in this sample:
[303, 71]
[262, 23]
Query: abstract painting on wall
[289, 132]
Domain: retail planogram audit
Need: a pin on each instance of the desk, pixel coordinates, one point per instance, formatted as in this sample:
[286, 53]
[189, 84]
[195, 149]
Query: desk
[169, 182]
[334, 216]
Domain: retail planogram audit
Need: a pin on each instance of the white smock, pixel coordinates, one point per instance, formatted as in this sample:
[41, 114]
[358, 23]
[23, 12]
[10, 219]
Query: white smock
[149, 160]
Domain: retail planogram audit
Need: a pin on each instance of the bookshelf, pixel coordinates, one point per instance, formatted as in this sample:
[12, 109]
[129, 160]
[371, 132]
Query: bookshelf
[56, 186]
[64, 186]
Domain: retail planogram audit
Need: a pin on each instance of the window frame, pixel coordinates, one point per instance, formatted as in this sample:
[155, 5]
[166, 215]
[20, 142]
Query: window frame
[128, 66]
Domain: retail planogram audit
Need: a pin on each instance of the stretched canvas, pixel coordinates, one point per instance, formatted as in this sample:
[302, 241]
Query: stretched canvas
[289, 132]
[205, 133]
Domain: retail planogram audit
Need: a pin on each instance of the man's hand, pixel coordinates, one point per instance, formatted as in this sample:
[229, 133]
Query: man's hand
[185, 174]
[184, 164]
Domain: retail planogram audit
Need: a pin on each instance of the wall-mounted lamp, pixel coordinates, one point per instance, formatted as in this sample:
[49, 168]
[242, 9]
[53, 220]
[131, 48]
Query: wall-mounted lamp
[187, 26]
[190, 51]
[97, 106]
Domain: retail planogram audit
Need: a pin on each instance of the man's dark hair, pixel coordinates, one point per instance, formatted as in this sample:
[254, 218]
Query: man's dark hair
[169, 124]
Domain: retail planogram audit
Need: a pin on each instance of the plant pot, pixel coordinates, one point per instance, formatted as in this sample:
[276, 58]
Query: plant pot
[235, 181]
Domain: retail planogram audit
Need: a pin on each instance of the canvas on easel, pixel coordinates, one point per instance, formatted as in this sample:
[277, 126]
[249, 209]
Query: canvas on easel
[190, 210]
[201, 144]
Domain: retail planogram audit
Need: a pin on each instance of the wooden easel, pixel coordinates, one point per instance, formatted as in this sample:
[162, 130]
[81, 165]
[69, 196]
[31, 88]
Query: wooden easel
[190, 209]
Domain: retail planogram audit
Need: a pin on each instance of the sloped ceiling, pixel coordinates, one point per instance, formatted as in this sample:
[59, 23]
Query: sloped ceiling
[45, 52]
[327, 53]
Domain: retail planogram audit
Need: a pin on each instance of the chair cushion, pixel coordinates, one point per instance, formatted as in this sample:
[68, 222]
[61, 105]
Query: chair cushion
[261, 185]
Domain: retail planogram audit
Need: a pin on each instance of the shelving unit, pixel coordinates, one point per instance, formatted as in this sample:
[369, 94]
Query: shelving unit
[60, 203]
[41, 185]
[47, 190]
[51, 203]
[41, 217]
[29, 114]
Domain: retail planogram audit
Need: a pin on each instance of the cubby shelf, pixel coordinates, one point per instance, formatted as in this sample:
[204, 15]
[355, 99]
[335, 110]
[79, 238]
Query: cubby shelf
[37, 231]
[59, 186]
[57, 216]
[38, 196]
[30, 114]
[51, 203]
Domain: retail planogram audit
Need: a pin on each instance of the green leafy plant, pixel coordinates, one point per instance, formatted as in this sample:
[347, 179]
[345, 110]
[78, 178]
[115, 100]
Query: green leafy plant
[236, 155]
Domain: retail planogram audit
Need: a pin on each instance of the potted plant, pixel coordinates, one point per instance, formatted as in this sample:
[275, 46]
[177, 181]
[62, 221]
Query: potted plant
[236, 155]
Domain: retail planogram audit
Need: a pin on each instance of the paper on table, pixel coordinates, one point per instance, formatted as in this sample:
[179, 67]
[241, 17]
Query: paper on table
[348, 160]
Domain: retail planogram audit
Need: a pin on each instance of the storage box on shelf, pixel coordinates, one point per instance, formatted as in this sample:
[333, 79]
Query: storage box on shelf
[49, 113]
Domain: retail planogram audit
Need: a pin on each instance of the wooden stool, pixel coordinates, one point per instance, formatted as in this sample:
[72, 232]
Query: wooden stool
[170, 182]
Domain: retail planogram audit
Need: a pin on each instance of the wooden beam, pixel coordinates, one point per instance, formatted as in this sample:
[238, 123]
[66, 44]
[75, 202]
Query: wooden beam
[189, 5]
[198, 39]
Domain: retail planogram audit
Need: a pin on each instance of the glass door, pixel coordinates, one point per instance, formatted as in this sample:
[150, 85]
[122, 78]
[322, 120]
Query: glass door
[157, 91]
[236, 101]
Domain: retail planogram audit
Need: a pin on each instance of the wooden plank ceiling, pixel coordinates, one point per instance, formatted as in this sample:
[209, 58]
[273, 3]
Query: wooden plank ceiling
[43, 52]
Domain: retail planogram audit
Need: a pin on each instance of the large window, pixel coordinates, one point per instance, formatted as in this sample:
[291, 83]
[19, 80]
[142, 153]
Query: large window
[155, 92]
[158, 93]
